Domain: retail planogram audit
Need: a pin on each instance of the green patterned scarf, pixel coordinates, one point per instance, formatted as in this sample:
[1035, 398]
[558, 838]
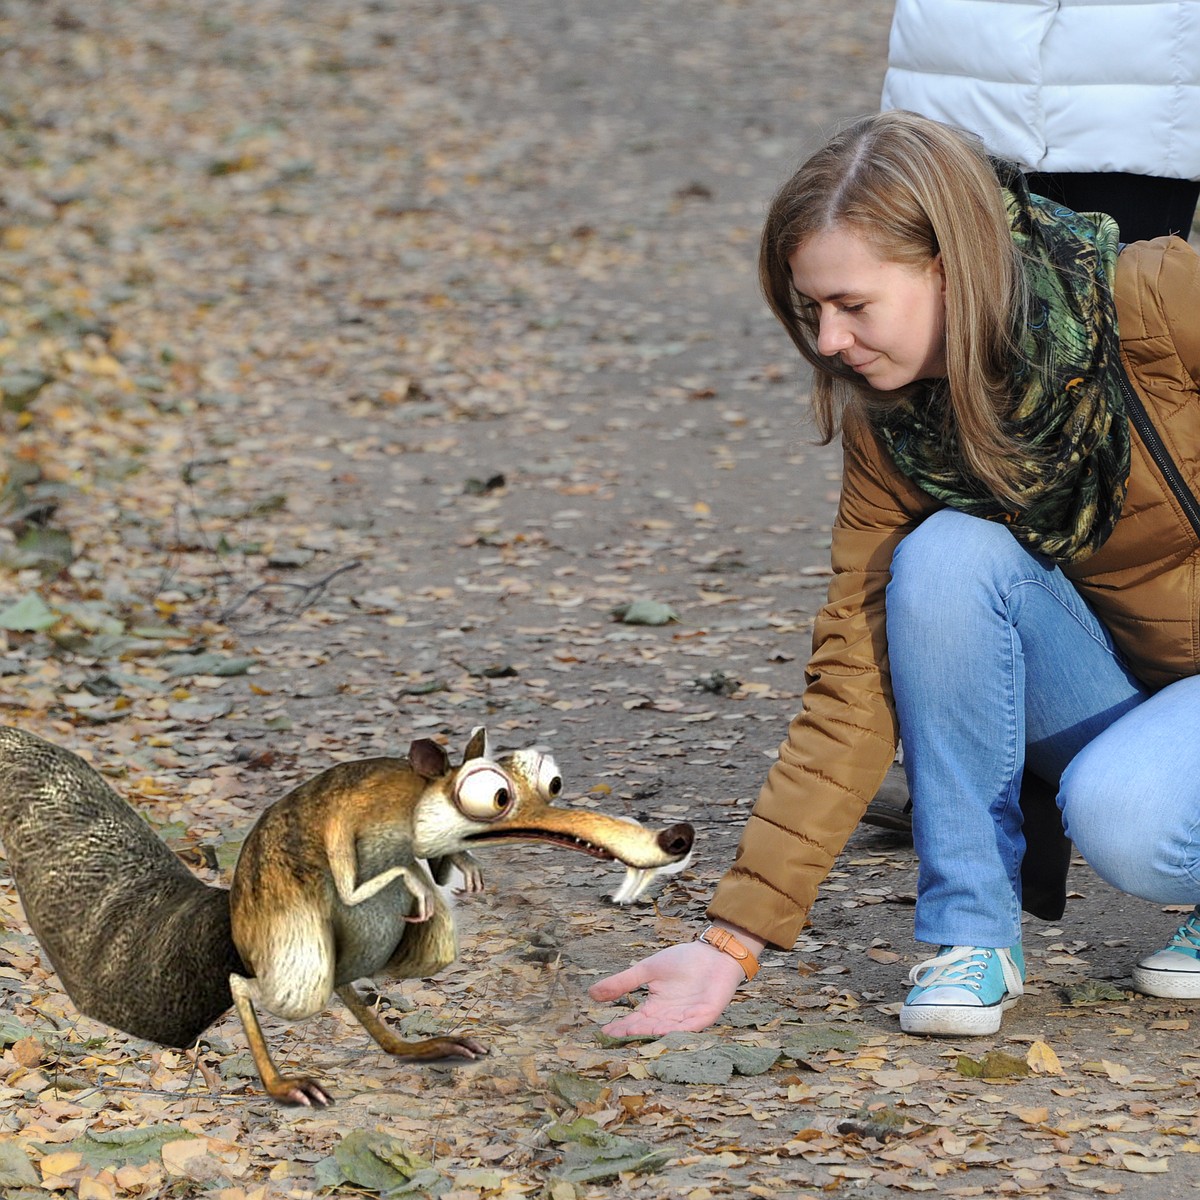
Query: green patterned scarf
[1067, 402]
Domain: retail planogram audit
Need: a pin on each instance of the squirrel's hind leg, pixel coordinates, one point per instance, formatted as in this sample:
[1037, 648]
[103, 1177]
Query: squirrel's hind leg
[293, 963]
[423, 951]
[426, 1048]
[287, 1089]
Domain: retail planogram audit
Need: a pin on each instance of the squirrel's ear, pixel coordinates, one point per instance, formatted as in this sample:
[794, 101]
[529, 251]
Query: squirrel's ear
[428, 758]
[478, 746]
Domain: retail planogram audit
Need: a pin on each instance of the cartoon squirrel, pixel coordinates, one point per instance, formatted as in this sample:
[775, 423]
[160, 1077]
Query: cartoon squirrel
[329, 887]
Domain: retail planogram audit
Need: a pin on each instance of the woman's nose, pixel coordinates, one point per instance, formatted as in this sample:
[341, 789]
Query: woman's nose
[833, 336]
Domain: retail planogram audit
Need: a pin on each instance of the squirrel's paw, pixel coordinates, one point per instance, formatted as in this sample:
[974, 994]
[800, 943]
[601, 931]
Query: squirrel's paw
[472, 876]
[466, 1048]
[300, 1091]
[471, 871]
[425, 897]
[444, 1047]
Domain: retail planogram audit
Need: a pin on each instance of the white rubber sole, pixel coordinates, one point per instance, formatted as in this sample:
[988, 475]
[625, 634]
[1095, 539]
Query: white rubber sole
[944, 1020]
[1170, 985]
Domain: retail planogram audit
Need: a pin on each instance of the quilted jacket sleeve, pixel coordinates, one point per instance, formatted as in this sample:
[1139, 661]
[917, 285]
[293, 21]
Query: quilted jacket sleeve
[842, 742]
[1180, 284]
[1158, 293]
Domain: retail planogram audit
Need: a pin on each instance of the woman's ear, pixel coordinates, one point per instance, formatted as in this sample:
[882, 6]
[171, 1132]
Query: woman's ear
[940, 267]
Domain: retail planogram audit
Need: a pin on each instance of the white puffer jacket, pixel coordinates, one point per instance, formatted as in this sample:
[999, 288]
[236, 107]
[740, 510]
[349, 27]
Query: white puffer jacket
[1057, 85]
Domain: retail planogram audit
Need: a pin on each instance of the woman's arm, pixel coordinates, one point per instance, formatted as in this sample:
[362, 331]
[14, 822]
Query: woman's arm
[843, 741]
[838, 749]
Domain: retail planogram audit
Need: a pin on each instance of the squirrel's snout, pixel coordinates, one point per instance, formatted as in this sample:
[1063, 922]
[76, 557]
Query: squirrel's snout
[676, 840]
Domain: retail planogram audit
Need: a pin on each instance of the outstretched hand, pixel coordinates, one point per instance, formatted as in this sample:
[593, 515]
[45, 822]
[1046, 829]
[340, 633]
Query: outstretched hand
[690, 986]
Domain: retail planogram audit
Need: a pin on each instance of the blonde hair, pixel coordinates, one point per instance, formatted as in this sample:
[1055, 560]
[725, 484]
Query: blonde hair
[913, 188]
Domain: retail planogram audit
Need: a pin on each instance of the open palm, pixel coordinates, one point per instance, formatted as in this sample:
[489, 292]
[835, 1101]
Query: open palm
[690, 986]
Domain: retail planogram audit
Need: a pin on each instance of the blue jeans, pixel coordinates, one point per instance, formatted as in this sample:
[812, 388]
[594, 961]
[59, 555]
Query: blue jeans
[998, 664]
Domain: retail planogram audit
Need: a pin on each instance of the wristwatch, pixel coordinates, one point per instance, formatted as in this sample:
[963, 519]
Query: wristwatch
[723, 940]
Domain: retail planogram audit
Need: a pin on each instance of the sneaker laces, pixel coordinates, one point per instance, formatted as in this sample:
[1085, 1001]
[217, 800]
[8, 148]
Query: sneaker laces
[1187, 936]
[964, 966]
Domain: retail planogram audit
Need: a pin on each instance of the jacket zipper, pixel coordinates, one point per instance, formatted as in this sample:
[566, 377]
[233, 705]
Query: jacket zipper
[1158, 452]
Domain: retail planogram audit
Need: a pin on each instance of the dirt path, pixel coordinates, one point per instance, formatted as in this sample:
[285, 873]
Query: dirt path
[392, 345]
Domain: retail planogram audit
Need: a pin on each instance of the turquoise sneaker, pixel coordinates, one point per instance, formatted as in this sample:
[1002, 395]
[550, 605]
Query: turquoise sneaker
[1174, 971]
[963, 991]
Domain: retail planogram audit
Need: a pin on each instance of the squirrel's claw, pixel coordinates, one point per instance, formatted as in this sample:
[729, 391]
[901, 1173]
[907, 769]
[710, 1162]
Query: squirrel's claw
[467, 867]
[472, 877]
[300, 1092]
[424, 901]
[468, 1048]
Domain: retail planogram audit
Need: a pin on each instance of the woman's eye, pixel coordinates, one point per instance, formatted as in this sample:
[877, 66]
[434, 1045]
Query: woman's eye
[853, 308]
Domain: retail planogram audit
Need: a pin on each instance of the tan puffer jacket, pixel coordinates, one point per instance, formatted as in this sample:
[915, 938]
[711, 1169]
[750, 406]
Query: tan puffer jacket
[1144, 583]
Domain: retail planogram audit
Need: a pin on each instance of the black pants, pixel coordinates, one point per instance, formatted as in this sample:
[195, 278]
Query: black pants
[1144, 206]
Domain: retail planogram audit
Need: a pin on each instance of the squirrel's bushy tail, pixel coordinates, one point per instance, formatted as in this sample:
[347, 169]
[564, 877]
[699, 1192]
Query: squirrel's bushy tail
[138, 941]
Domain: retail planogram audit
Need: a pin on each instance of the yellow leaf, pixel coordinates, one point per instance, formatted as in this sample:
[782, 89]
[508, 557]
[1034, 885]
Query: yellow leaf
[1032, 1116]
[1115, 1071]
[1144, 1166]
[1042, 1059]
[138, 1179]
[900, 1078]
[104, 364]
[871, 1062]
[852, 1172]
[96, 1189]
[61, 1162]
[178, 1156]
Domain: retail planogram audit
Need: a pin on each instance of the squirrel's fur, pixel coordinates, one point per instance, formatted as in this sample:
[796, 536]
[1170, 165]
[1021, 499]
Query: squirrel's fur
[120, 917]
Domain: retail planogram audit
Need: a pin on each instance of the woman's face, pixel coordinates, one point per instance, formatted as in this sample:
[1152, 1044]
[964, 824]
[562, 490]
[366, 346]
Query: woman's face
[885, 320]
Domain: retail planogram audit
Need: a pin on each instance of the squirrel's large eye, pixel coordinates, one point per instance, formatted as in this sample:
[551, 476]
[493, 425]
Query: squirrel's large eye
[483, 793]
[549, 781]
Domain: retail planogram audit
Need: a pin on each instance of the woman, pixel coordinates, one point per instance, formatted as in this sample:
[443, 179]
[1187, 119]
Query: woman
[1016, 557]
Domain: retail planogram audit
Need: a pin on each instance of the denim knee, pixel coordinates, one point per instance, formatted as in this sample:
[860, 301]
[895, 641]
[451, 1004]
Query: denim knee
[1141, 848]
[950, 556]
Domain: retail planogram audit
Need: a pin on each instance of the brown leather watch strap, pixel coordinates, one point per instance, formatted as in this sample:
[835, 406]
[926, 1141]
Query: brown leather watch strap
[723, 940]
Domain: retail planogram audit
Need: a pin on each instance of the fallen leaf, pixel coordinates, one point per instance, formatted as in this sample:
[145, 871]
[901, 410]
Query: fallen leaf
[16, 1169]
[645, 612]
[1042, 1059]
[1145, 1166]
[1092, 991]
[996, 1064]
[28, 1051]
[30, 614]
[1117, 1072]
